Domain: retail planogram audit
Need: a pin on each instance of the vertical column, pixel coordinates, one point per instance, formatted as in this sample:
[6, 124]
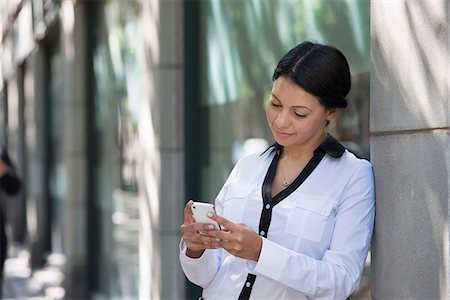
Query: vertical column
[15, 205]
[410, 148]
[161, 132]
[149, 184]
[20, 222]
[74, 147]
[35, 123]
[172, 146]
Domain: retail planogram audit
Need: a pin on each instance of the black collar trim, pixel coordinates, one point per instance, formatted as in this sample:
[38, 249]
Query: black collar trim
[331, 146]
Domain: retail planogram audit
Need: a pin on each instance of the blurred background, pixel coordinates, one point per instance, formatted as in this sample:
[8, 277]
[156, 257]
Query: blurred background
[117, 112]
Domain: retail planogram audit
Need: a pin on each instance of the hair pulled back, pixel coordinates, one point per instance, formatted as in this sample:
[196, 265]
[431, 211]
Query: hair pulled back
[320, 70]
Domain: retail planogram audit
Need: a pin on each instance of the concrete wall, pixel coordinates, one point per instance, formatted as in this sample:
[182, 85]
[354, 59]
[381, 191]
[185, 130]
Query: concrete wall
[410, 148]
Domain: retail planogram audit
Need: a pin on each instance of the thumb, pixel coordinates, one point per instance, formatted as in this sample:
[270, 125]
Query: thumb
[188, 217]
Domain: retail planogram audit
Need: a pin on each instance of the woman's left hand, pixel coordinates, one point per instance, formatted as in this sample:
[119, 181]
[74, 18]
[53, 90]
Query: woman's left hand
[237, 239]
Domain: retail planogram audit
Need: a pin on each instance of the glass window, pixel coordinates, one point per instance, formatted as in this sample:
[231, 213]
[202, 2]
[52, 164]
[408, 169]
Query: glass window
[115, 88]
[239, 45]
[56, 168]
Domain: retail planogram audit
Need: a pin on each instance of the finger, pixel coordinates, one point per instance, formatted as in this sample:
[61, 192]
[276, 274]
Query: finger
[223, 236]
[199, 238]
[223, 221]
[223, 244]
[196, 246]
[192, 229]
[214, 244]
[209, 246]
[188, 217]
[203, 228]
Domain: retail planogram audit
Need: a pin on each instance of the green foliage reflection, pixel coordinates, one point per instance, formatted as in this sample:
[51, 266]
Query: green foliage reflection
[242, 40]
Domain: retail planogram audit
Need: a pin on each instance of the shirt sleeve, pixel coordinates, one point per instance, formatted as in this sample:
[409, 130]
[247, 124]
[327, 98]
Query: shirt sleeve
[202, 270]
[338, 273]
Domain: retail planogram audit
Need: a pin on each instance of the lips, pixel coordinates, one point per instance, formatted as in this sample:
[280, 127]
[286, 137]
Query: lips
[282, 135]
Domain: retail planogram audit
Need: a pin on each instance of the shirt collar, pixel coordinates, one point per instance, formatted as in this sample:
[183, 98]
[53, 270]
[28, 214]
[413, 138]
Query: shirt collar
[331, 146]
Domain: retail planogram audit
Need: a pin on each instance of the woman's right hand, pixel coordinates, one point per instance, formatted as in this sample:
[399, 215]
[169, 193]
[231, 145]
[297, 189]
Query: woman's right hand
[195, 235]
[3, 168]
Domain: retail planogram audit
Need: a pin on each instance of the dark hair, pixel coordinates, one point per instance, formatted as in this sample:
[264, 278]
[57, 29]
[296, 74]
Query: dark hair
[320, 70]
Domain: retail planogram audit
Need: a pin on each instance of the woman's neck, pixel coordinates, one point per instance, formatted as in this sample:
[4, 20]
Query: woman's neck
[300, 152]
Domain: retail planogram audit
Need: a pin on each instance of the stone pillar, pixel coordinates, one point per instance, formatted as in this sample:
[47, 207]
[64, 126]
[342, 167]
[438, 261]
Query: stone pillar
[74, 147]
[161, 131]
[410, 148]
[35, 179]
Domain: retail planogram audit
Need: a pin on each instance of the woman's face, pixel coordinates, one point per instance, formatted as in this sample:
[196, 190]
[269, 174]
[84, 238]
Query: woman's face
[295, 117]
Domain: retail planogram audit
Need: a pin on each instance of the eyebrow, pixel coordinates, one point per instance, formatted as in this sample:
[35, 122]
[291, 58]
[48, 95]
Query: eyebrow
[295, 106]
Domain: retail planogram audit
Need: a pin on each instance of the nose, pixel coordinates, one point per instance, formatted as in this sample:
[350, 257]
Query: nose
[282, 120]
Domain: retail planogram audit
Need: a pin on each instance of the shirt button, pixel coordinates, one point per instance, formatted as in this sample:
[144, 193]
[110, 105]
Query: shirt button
[267, 206]
[262, 232]
[248, 284]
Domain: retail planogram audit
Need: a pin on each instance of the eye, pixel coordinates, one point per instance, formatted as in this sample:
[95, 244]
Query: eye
[298, 115]
[274, 104]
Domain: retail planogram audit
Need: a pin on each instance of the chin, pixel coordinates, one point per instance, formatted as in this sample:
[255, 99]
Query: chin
[283, 143]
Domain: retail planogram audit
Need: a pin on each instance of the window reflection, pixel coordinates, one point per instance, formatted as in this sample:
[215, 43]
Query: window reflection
[242, 42]
[115, 110]
[56, 167]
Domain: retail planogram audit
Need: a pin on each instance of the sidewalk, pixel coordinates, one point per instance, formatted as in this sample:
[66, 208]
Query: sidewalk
[21, 283]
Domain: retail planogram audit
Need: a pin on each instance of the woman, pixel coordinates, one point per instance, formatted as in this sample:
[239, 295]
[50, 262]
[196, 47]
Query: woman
[297, 219]
[9, 184]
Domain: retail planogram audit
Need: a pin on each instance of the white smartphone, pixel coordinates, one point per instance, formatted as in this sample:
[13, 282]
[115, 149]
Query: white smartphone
[200, 211]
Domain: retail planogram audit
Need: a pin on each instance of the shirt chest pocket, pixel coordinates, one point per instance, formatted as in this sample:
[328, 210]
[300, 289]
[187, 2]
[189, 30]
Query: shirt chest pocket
[235, 203]
[308, 217]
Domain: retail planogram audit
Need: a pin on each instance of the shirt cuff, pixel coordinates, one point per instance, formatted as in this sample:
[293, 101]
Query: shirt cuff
[189, 260]
[271, 262]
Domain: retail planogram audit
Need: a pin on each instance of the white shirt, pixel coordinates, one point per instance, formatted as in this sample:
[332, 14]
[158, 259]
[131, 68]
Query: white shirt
[318, 237]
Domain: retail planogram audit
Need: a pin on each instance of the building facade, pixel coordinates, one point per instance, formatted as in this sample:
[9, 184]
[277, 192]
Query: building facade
[81, 113]
[410, 148]
[118, 112]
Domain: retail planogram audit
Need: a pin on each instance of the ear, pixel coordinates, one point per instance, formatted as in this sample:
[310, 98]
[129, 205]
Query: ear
[331, 114]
